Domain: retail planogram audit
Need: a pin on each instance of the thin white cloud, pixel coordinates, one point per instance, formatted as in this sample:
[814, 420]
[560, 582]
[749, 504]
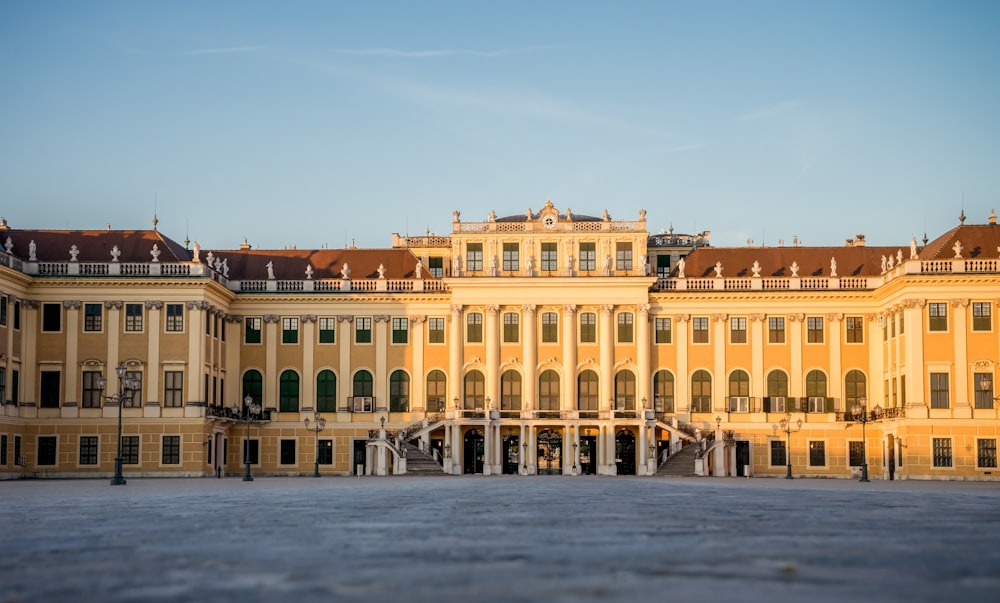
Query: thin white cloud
[443, 52]
[685, 147]
[771, 111]
[230, 50]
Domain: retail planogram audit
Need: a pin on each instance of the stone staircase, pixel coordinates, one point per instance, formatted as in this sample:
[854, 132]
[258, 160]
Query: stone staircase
[679, 464]
[420, 463]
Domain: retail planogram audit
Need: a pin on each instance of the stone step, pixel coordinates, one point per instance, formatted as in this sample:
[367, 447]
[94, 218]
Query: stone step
[679, 464]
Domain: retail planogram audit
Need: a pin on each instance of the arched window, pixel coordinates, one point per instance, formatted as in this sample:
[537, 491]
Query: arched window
[855, 388]
[253, 386]
[288, 395]
[437, 391]
[777, 391]
[663, 391]
[326, 391]
[701, 391]
[362, 384]
[548, 390]
[739, 391]
[510, 390]
[399, 392]
[475, 391]
[624, 390]
[588, 391]
[816, 391]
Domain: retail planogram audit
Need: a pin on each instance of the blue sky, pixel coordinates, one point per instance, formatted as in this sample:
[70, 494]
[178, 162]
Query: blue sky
[318, 123]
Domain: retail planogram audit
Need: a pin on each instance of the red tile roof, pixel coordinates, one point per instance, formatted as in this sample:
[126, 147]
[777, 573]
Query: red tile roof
[978, 241]
[776, 261]
[94, 245]
[290, 264]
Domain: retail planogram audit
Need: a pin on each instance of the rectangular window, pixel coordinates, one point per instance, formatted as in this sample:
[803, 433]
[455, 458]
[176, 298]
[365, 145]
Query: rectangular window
[663, 266]
[51, 318]
[550, 327]
[133, 318]
[93, 315]
[663, 330]
[942, 452]
[778, 457]
[776, 329]
[699, 329]
[474, 257]
[855, 453]
[88, 450]
[625, 331]
[435, 265]
[46, 450]
[171, 454]
[511, 259]
[511, 327]
[435, 330]
[939, 390]
[588, 327]
[325, 452]
[327, 329]
[175, 318]
[981, 316]
[130, 450]
[738, 329]
[3, 450]
[17, 314]
[289, 329]
[814, 329]
[474, 327]
[173, 388]
[400, 330]
[363, 329]
[252, 329]
[901, 323]
[3, 386]
[287, 452]
[15, 386]
[855, 329]
[983, 397]
[986, 453]
[49, 393]
[588, 256]
[550, 257]
[251, 452]
[623, 256]
[817, 454]
[91, 392]
[937, 314]
[3, 310]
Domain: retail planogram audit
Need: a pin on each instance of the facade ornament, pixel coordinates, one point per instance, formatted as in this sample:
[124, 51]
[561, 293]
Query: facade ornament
[719, 317]
[899, 256]
[218, 264]
[381, 271]
[233, 318]
[607, 265]
[883, 264]
[529, 266]
[757, 317]
[909, 303]
[8, 245]
[155, 252]
[796, 317]
[493, 309]
[756, 269]
[115, 253]
[983, 364]
[833, 267]
[419, 318]
[270, 270]
[958, 249]
[345, 270]
[455, 215]
[196, 254]
[528, 308]
[892, 261]
[643, 310]
[307, 318]
[569, 309]
[418, 269]
[210, 259]
[32, 304]
[834, 316]
[718, 269]
[870, 317]
[644, 264]
[32, 251]
[795, 269]
[225, 267]
[381, 318]
[270, 318]
[680, 268]
[71, 304]
[960, 303]
[913, 248]
[345, 318]
[116, 305]
[309, 272]
[607, 309]
[456, 308]
[204, 305]
[73, 252]
[154, 304]
[682, 317]
[191, 305]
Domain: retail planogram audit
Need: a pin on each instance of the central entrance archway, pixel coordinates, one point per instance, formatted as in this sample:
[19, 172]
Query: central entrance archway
[472, 459]
[511, 454]
[588, 455]
[549, 453]
[625, 452]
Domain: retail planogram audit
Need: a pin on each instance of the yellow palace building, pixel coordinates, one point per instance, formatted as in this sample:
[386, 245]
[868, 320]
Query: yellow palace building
[541, 343]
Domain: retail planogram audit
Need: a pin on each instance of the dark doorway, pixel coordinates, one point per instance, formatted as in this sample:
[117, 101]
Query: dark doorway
[892, 457]
[511, 454]
[625, 452]
[549, 453]
[588, 455]
[742, 458]
[472, 461]
[360, 446]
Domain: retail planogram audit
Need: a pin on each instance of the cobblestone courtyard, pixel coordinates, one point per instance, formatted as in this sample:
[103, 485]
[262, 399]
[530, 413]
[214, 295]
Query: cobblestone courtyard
[498, 539]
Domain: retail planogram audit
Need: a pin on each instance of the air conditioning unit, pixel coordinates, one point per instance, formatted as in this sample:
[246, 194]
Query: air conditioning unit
[778, 404]
[739, 404]
[817, 404]
[364, 404]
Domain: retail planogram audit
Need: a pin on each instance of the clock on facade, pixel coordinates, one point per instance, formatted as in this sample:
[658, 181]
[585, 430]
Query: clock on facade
[549, 221]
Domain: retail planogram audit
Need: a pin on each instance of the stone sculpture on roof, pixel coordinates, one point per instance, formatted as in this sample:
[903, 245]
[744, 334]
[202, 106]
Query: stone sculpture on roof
[913, 248]
[8, 245]
[73, 252]
[345, 271]
[381, 271]
[833, 267]
[197, 252]
[155, 252]
[418, 269]
[718, 269]
[115, 253]
[795, 269]
[958, 249]
[270, 270]
[756, 269]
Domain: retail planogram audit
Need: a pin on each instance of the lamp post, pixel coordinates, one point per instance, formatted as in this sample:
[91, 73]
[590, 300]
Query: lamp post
[785, 425]
[319, 424]
[860, 412]
[127, 387]
[986, 387]
[249, 408]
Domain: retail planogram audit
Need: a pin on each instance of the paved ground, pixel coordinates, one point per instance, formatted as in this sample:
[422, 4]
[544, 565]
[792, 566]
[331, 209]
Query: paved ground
[498, 539]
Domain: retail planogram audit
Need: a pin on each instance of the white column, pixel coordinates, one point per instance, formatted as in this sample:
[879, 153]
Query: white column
[271, 340]
[569, 357]
[836, 366]
[643, 451]
[607, 346]
[492, 339]
[381, 351]
[796, 383]
[418, 393]
[344, 342]
[455, 354]
[960, 308]
[530, 381]
[308, 380]
[523, 452]
[114, 329]
[758, 380]
[682, 381]
[642, 363]
[720, 392]
[151, 378]
[72, 368]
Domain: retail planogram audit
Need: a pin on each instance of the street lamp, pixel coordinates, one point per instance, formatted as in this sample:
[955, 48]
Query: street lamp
[318, 426]
[249, 408]
[860, 413]
[986, 387]
[785, 425]
[127, 388]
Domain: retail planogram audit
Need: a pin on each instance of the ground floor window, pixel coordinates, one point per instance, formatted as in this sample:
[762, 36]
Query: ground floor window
[942, 452]
[856, 453]
[47, 450]
[88, 450]
[986, 453]
[253, 453]
[171, 453]
[287, 454]
[325, 452]
[778, 453]
[130, 450]
[817, 454]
